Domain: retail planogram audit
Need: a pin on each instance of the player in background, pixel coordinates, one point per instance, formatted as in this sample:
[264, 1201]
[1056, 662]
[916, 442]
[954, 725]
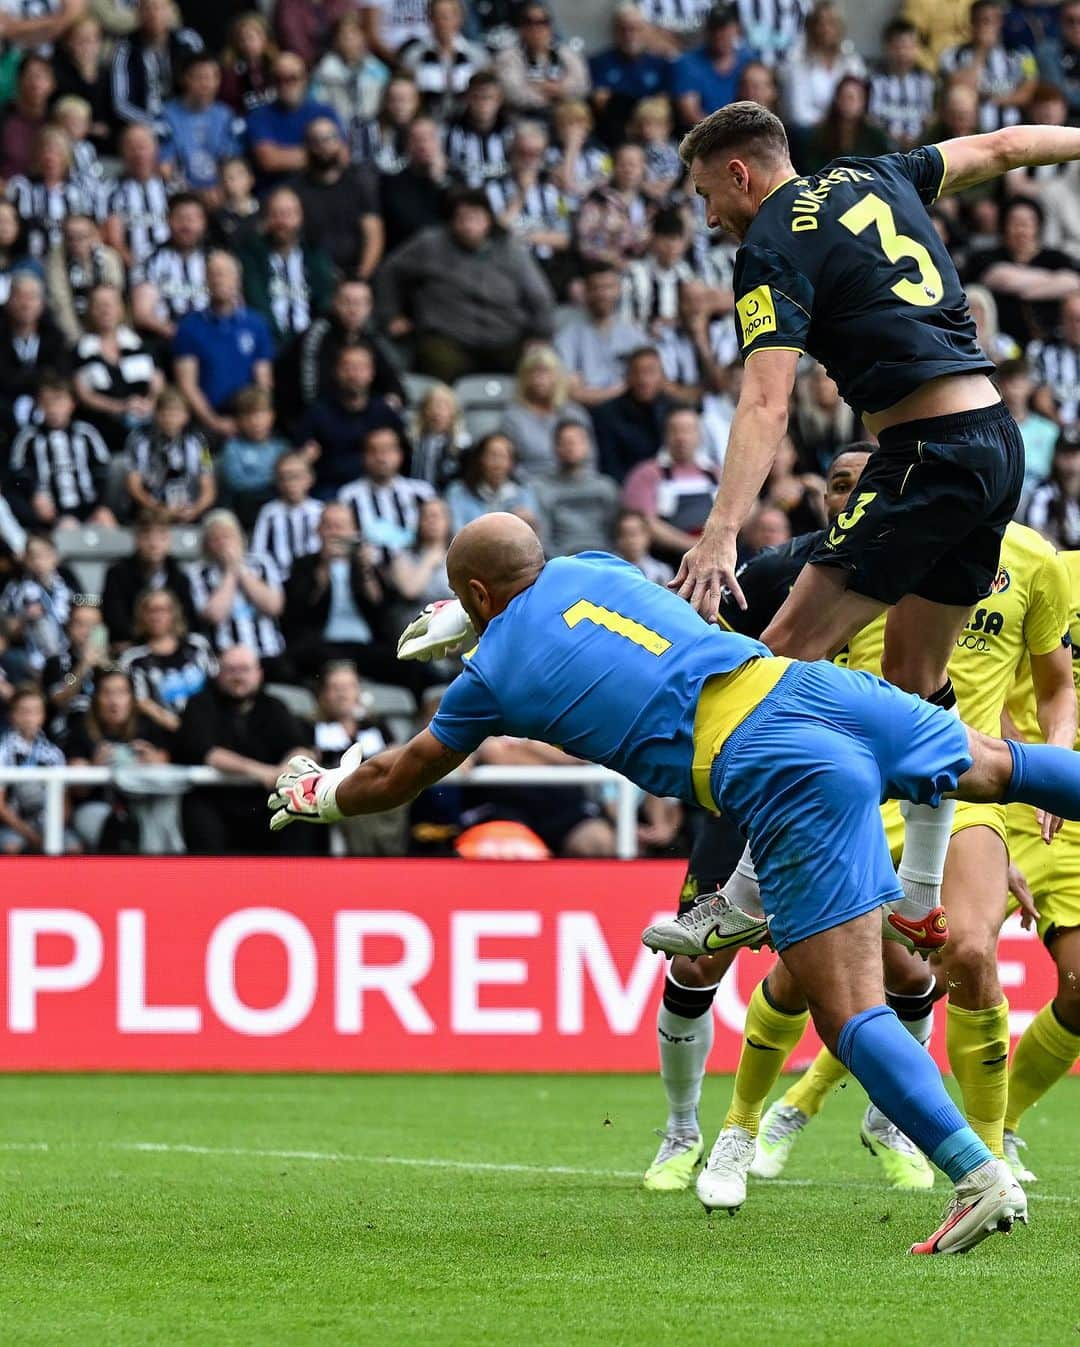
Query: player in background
[1023, 625]
[586, 653]
[684, 1024]
[1050, 1045]
[846, 265]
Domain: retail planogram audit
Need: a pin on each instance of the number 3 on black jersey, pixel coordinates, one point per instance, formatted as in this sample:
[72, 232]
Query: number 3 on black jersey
[871, 210]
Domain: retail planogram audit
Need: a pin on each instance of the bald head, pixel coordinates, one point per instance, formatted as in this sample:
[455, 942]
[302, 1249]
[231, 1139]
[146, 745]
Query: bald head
[491, 560]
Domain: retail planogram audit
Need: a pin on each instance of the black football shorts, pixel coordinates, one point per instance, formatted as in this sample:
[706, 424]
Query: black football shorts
[716, 851]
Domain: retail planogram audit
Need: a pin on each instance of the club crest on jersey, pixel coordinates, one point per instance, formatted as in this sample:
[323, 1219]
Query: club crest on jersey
[757, 313]
[1002, 581]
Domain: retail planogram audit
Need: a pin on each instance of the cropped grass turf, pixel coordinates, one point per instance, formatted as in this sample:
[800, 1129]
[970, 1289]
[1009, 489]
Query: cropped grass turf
[104, 1241]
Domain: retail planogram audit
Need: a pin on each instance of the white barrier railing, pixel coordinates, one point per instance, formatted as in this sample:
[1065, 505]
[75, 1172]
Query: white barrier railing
[57, 779]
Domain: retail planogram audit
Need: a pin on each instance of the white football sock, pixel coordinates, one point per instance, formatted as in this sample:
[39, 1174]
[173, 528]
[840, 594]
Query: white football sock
[922, 863]
[684, 1049]
[742, 889]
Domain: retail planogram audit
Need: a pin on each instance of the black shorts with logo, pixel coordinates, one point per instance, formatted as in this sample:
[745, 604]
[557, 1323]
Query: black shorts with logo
[930, 509]
[717, 848]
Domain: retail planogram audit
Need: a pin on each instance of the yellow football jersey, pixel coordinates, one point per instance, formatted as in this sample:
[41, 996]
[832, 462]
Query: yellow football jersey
[1021, 702]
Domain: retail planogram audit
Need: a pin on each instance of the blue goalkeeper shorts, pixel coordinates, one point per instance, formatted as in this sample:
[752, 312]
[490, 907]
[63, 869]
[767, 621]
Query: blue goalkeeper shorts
[803, 777]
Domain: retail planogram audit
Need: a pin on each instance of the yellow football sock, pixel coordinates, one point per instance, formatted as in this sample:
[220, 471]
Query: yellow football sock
[811, 1089]
[769, 1037]
[1045, 1052]
[978, 1045]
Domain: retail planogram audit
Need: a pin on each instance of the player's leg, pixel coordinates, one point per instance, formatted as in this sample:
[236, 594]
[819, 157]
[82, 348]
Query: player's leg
[819, 616]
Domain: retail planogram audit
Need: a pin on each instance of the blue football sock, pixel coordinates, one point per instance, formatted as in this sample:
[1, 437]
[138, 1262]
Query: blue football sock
[900, 1077]
[1046, 777]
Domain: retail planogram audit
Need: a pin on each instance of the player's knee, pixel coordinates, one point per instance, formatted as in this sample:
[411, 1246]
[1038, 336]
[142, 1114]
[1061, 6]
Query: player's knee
[911, 671]
[969, 960]
[706, 971]
[1066, 952]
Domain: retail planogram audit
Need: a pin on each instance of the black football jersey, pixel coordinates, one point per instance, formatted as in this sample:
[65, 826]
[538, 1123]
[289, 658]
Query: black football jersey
[766, 581]
[846, 264]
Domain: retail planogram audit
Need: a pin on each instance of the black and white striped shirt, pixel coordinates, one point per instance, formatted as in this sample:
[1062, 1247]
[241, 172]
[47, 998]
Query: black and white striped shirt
[131, 377]
[1057, 365]
[543, 207]
[66, 463]
[245, 625]
[179, 279]
[285, 531]
[679, 355]
[171, 680]
[28, 798]
[677, 16]
[477, 156]
[386, 514]
[770, 27]
[381, 147]
[289, 292]
[144, 209]
[42, 631]
[443, 81]
[1002, 73]
[83, 277]
[171, 469]
[902, 104]
[650, 293]
[46, 208]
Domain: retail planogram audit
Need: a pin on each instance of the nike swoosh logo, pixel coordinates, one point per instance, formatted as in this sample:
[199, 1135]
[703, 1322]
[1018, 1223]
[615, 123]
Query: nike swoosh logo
[761, 1047]
[715, 941]
[995, 1061]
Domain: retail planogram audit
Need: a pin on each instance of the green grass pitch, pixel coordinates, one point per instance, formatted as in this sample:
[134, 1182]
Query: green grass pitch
[482, 1210]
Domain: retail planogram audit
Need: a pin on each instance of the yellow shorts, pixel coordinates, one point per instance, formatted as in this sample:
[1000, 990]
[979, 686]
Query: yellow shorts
[1052, 872]
[967, 816]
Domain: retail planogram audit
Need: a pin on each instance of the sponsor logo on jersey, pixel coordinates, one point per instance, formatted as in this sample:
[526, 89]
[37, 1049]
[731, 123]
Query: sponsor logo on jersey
[757, 314]
[1002, 581]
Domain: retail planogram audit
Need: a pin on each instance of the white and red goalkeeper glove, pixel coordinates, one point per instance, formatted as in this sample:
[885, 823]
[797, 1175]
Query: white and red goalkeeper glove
[307, 793]
[442, 629]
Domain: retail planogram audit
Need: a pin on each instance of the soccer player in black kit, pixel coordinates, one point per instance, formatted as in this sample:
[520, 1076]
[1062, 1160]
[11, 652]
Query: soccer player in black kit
[846, 265]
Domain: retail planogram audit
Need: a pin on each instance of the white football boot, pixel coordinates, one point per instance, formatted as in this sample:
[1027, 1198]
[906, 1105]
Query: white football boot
[722, 1183]
[988, 1201]
[1014, 1143]
[673, 1168]
[780, 1128]
[904, 1165]
[712, 924]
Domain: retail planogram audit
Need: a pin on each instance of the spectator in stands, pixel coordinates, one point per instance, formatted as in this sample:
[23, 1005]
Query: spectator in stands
[1054, 507]
[249, 457]
[150, 567]
[439, 436]
[814, 67]
[68, 675]
[626, 73]
[577, 505]
[14, 254]
[471, 296]
[59, 464]
[380, 142]
[651, 127]
[349, 78]
[138, 205]
[633, 539]
[30, 344]
[288, 527]
[25, 744]
[541, 403]
[940, 24]
[348, 323]
[237, 727]
[168, 665]
[37, 28]
[488, 483]
[846, 130]
[708, 78]
[538, 70]
[529, 205]
[171, 469]
[766, 527]
[116, 381]
[340, 202]
[238, 594]
[221, 349]
[415, 195]
[50, 192]
[995, 344]
[247, 74]
[172, 280]
[800, 494]
[276, 130]
[147, 66]
[333, 426]
[305, 26]
[578, 162]
[694, 351]
[674, 490]
[823, 422]
[1026, 278]
[630, 427]
[1055, 186]
[594, 345]
[901, 91]
[1005, 80]
[418, 571]
[23, 120]
[73, 116]
[234, 222]
[74, 268]
[384, 503]
[81, 72]
[392, 24]
[286, 280]
[1056, 367]
[1040, 434]
[650, 285]
[200, 129]
[613, 223]
[35, 607]
[1058, 57]
[477, 142]
[443, 64]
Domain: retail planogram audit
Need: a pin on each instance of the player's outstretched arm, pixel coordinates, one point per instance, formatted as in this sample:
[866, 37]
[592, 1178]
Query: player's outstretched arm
[758, 427]
[970, 160]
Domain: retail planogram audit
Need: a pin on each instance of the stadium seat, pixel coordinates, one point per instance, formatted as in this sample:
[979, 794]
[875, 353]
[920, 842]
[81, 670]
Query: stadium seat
[88, 550]
[485, 390]
[394, 705]
[300, 701]
[187, 543]
[481, 421]
[416, 385]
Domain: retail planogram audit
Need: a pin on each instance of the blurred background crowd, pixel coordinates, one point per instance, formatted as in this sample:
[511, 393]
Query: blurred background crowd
[289, 295]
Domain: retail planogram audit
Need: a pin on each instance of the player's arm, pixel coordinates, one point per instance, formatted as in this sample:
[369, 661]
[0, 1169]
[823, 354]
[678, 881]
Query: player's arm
[759, 425]
[970, 160]
[397, 776]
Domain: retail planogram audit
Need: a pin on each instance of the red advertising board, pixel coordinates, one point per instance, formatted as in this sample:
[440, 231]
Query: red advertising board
[357, 965]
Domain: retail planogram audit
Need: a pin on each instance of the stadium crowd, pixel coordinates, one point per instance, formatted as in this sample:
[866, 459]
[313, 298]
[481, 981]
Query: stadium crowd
[288, 296]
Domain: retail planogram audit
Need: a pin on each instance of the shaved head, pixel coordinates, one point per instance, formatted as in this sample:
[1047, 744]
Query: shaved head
[491, 560]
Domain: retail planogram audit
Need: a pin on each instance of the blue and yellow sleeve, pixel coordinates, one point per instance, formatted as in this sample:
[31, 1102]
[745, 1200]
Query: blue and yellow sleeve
[773, 303]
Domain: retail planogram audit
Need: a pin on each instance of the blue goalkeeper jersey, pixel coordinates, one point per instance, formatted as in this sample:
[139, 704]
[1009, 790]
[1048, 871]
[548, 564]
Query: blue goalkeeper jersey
[601, 662]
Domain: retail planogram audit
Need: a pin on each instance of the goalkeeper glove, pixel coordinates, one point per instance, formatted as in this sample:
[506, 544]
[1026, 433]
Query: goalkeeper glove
[308, 794]
[442, 629]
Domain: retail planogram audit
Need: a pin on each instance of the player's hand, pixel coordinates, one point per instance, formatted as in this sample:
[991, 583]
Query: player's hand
[1049, 825]
[1018, 887]
[442, 629]
[705, 572]
[306, 793]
